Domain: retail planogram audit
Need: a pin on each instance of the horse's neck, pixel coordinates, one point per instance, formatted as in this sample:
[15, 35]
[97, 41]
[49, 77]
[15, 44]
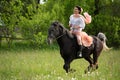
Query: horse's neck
[69, 34]
[62, 40]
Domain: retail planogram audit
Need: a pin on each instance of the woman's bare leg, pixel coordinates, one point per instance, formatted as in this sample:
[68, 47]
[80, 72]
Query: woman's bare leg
[79, 39]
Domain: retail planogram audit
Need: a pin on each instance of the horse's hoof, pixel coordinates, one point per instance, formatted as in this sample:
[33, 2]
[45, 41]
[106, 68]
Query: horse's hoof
[97, 67]
[94, 67]
[72, 70]
[88, 70]
[85, 71]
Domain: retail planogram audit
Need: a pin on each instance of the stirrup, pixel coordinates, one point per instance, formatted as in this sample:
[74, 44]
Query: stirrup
[80, 53]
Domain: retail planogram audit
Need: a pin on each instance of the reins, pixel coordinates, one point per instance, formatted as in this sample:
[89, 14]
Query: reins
[60, 36]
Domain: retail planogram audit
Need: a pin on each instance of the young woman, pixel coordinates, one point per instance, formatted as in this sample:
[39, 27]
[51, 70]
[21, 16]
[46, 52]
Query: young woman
[77, 24]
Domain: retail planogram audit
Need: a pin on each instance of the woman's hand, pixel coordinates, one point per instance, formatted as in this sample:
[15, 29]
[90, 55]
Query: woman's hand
[70, 25]
[87, 18]
[77, 27]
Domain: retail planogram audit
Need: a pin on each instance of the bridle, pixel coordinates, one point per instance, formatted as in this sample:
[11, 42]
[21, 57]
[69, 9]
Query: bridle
[61, 35]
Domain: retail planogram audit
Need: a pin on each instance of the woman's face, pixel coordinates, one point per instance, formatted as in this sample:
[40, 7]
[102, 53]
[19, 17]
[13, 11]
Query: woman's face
[76, 11]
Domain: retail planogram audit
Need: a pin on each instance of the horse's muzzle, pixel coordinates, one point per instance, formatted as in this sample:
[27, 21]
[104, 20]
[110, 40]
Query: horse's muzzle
[49, 40]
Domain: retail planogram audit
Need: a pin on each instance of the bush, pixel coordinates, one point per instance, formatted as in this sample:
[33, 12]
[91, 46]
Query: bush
[35, 29]
[38, 40]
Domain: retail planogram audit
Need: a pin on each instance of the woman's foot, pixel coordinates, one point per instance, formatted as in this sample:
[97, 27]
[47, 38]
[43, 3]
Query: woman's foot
[79, 53]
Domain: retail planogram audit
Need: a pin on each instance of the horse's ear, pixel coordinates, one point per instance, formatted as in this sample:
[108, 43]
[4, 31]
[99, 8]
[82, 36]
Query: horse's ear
[58, 25]
[55, 22]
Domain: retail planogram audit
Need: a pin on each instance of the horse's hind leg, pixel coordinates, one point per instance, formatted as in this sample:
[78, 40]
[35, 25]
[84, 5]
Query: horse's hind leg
[96, 53]
[95, 59]
[90, 60]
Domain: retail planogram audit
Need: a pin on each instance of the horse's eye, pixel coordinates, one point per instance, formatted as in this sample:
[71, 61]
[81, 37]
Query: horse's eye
[52, 30]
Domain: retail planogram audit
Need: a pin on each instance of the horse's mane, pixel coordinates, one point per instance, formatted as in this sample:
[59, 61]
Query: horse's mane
[69, 34]
[67, 31]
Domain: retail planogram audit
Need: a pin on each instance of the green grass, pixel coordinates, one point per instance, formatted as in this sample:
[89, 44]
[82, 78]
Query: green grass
[47, 64]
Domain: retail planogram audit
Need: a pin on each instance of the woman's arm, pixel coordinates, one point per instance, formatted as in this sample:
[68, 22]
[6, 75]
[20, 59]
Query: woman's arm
[87, 18]
[70, 23]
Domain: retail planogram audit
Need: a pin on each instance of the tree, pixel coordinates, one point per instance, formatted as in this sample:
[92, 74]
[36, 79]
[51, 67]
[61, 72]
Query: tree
[96, 7]
[10, 12]
[33, 19]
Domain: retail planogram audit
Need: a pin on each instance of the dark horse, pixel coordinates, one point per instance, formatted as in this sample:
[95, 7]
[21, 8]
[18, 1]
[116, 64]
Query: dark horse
[69, 47]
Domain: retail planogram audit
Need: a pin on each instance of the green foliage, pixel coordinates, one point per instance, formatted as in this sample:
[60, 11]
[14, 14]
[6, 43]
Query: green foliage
[26, 27]
[108, 25]
[35, 29]
[31, 18]
[38, 40]
[38, 24]
[58, 13]
[10, 14]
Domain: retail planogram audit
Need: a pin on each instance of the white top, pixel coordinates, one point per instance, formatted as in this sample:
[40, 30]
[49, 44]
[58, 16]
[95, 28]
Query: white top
[77, 21]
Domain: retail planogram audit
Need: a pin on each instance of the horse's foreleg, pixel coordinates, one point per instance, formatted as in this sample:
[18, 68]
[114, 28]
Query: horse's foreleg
[66, 65]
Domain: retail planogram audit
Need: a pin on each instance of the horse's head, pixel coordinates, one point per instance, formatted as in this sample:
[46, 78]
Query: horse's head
[55, 30]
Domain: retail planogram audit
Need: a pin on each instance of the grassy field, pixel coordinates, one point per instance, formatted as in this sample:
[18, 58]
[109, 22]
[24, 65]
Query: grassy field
[47, 64]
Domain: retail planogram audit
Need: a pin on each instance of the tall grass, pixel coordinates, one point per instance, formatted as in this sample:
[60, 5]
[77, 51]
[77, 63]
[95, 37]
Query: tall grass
[47, 64]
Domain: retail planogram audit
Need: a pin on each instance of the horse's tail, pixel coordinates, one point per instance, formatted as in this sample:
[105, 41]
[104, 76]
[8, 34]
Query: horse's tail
[103, 38]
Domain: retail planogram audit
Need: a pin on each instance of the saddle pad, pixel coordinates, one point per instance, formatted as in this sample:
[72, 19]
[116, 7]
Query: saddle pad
[86, 39]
